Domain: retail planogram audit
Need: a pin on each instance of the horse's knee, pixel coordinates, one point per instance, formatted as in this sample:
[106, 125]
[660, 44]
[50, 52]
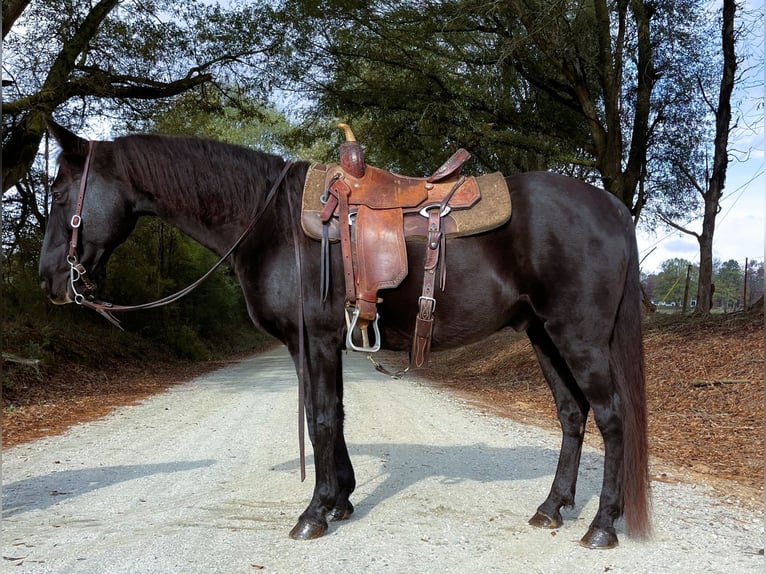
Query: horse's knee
[572, 421]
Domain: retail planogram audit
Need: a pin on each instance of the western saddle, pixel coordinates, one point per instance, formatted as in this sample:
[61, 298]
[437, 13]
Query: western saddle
[371, 211]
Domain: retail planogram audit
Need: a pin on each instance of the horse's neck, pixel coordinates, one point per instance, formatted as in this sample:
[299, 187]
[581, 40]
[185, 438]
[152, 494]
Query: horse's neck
[203, 214]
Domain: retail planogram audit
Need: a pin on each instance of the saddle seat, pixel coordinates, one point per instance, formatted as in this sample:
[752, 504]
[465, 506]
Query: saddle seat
[372, 212]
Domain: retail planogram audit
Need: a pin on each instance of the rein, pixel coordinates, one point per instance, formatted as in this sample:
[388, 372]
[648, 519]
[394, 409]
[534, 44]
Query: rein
[79, 273]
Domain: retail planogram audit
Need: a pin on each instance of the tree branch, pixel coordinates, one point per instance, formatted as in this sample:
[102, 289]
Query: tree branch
[675, 225]
[12, 9]
[690, 176]
[105, 85]
[704, 95]
[65, 62]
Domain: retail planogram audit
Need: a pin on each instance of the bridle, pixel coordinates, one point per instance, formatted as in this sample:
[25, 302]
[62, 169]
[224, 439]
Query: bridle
[78, 273]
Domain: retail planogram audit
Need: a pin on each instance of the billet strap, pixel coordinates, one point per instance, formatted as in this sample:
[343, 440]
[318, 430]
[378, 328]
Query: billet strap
[424, 321]
[436, 245]
[435, 260]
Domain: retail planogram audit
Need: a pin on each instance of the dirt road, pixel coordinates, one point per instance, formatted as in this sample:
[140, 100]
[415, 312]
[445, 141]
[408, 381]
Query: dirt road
[204, 478]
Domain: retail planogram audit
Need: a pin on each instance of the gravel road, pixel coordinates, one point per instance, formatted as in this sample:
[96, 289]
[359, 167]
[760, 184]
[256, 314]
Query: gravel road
[204, 478]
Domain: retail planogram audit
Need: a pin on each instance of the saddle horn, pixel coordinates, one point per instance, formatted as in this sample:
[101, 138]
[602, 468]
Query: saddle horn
[351, 157]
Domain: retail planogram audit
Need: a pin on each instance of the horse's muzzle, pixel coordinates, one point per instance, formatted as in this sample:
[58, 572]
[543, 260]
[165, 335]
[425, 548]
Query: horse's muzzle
[55, 298]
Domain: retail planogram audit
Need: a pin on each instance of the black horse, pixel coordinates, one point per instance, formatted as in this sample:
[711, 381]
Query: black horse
[564, 269]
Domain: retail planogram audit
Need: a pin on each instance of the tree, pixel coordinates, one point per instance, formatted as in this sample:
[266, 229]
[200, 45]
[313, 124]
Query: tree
[728, 284]
[710, 182]
[529, 84]
[112, 57]
[112, 64]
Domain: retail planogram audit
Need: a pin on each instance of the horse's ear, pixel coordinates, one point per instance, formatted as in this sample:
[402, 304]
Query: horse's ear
[70, 143]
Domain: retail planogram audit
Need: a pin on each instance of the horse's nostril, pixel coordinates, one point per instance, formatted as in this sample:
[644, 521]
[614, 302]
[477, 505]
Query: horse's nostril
[45, 286]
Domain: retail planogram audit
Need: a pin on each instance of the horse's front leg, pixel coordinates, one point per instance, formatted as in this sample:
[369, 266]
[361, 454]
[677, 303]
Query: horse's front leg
[343, 508]
[334, 476]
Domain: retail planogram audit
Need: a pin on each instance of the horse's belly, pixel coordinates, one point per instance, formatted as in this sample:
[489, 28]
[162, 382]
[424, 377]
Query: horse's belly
[452, 327]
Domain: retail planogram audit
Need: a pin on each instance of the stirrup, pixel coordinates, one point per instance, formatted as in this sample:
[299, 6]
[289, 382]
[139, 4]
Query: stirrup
[365, 348]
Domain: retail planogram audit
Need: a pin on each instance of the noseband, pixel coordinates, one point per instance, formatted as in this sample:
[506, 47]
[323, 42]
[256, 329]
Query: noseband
[78, 273]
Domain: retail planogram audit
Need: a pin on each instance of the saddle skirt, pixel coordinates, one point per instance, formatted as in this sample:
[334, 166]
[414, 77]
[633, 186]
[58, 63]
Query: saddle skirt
[485, 206]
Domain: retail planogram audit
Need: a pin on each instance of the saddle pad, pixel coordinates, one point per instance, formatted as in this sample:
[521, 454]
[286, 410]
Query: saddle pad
[492, 210]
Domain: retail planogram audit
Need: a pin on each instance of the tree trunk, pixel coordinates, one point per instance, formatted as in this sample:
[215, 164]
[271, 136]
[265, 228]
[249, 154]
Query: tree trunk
[717, 180]
[705, 240]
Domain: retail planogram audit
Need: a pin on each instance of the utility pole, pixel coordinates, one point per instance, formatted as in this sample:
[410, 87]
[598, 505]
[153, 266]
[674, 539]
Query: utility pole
[744, 288]
[686, 289]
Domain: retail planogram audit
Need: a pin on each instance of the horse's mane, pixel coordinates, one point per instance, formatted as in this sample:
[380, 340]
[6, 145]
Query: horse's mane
[195, 174]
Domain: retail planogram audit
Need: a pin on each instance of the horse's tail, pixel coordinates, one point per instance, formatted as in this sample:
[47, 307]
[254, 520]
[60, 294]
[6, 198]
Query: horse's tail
[626, 362]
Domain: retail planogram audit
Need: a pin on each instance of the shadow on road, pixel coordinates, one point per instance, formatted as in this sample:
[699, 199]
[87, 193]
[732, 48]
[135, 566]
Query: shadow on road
[405, 465]
[40, 492]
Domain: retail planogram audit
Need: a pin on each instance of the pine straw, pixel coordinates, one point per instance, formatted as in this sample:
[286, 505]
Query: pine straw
[704, 393]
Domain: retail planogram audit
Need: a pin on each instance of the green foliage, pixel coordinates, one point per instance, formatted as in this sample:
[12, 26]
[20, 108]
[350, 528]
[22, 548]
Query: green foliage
[158, 260]
[590, 89]
[728, 281]
[417, 81]
[668, 284]
[155, 261]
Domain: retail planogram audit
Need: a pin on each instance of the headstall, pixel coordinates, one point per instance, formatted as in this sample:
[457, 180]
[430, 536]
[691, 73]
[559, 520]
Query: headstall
[78, 273]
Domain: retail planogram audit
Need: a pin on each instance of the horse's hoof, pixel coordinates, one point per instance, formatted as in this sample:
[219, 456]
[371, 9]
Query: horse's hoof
[599, 539]
[308, 530]
[542, 520]
[341, 512]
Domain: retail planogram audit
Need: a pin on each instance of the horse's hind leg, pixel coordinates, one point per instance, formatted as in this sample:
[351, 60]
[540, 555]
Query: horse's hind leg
[572, 409]
[606, 413]
[588, 363]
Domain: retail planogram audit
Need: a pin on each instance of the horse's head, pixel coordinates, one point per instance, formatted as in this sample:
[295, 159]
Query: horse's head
[104, 220]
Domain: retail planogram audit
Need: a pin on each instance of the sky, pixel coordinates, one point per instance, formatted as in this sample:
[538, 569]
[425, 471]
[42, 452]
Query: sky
[740, 226]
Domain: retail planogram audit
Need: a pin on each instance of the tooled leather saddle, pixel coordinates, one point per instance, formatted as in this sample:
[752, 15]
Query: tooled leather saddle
[371, 212]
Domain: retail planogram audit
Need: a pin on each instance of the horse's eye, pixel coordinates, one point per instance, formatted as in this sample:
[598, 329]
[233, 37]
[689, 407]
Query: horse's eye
[58, 196]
